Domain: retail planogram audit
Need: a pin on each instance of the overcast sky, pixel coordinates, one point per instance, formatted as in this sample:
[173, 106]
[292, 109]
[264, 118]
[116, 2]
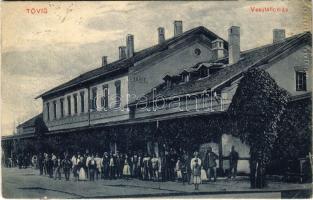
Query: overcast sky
[40, 51]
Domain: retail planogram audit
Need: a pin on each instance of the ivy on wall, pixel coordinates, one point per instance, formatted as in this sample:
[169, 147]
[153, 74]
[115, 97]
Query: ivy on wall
[294, 138]
[256, 110]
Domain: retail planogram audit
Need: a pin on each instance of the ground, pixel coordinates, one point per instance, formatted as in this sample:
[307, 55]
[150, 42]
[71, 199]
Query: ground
[26, 183]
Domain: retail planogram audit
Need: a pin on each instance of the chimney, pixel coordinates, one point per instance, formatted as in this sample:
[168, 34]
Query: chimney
[178, 28]
[233, 44]
[161, 34]
[129, 45]
[218, 48]
[278, 35]
[104, 61]
[121, 52]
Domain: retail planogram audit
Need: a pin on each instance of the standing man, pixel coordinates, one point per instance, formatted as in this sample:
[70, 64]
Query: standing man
[92, 166]
[119, 165]
[210, 163]
[57, 168]
[50, 166]
[173, 159]
[112, 165]
[99, 164]
[67, 164]
[45, 163]
[134, 169]
[86, 160]
[105, 166]
[75, 165]
[155, 167]
[233, 161]
[40, 163]
[185, 167]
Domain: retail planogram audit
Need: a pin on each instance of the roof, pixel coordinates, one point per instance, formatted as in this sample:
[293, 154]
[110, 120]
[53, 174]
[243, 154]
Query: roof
[31, 122]
[306, 95]
[249, 58]
[128, 62]
[20, 136]
[149, 119]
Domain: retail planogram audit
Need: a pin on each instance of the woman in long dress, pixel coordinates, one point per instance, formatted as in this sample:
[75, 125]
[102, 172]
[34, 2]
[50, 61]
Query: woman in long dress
[82, 173]
[126, 168]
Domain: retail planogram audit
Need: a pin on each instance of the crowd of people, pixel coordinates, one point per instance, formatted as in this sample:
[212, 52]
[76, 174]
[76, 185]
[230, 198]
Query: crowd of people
[169, 166]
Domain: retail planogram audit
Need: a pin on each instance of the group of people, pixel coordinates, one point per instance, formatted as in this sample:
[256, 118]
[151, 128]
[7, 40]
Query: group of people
[168, 166]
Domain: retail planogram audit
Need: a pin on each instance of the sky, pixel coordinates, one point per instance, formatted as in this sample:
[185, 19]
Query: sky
[65, 39]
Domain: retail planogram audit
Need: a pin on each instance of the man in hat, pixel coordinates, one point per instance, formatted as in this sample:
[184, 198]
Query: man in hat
[105, 165]
[233, 161]
[112, 166]
[66, 164]
[210, 163]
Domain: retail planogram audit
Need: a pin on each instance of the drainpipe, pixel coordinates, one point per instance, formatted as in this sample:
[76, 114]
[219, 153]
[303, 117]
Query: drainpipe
[88, 106]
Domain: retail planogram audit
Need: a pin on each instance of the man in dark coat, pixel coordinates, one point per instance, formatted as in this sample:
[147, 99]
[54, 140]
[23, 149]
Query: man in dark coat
[112, 166]
[57, 168]
[105, 165]
[186, 171]
[40, 163]
[233, 161]
[92, 166]
[66, 164]
[134, 168]
[20, 160]
[119, 165]
[172, 163]
[210, 163]
[50, 166]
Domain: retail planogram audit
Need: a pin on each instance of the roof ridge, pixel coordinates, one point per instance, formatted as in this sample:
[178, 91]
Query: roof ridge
[276, 43]
[124, 63]
[215, 80]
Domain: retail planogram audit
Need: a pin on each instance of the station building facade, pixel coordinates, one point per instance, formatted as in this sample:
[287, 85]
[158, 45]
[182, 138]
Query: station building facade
[174, 94]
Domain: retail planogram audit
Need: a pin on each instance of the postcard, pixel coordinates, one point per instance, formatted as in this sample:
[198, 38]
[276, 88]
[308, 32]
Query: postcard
[156, 99]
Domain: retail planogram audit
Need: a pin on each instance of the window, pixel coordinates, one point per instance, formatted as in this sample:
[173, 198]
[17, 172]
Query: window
[168, 83]
[300, 81]
[82, 102]
[94, 98]
[118, 93]
[75, 103]
[203, 72]
[69, 105]
[197, 51]
[62, 107]
[54, 109]
[48, 111]
[105, 98]
[185, 77]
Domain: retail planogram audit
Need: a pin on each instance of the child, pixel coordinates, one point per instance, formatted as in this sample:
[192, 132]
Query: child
[178, 170]
[203, 175]
[184, 171]
[196, 171]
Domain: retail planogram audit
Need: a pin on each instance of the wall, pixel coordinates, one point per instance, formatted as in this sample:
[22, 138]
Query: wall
[283, 71]
[112, 114]
[82, 118]
[150, 72]
[183, 105]
[243, 150]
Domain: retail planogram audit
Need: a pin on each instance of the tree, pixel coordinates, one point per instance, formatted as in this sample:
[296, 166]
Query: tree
[294, 139]
[255, 110]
